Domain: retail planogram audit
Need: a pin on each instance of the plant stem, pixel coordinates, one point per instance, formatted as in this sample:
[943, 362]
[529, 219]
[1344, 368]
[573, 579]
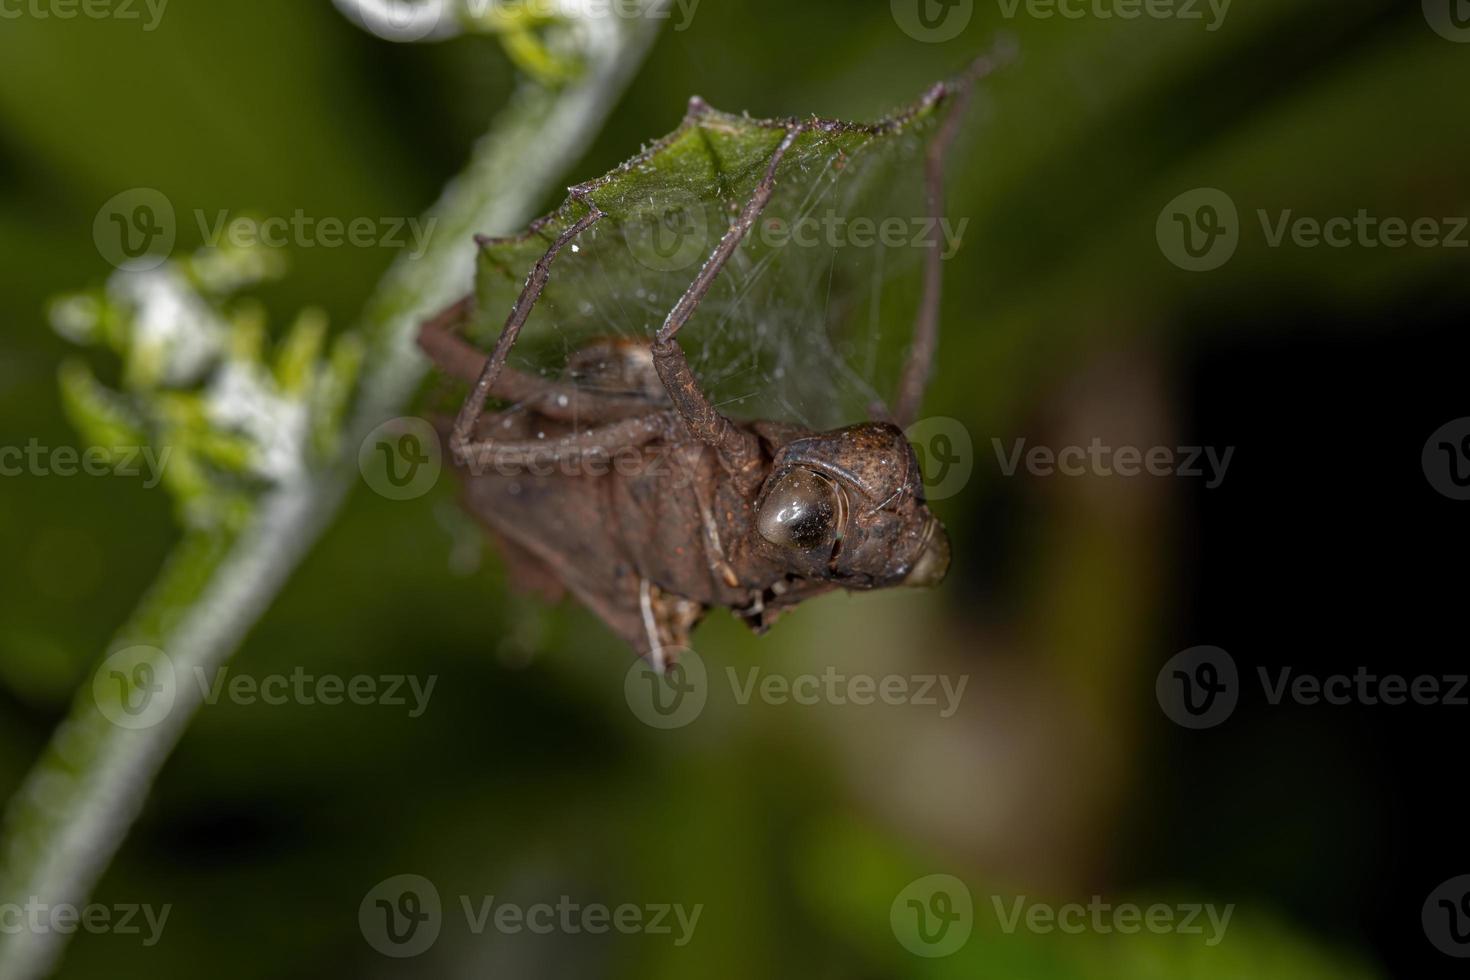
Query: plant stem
[76, 806]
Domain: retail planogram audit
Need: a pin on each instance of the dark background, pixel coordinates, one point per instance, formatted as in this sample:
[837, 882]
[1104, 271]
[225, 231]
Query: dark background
[1325, 548]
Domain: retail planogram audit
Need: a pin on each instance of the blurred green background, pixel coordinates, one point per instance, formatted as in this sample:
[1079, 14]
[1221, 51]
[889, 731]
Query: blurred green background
[796, 827]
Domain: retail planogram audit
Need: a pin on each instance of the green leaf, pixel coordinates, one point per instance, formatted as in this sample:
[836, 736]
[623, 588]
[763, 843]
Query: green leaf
[104, 418]
[809, 328]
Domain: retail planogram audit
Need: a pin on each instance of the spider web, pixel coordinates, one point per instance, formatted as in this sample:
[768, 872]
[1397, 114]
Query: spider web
[809, 321]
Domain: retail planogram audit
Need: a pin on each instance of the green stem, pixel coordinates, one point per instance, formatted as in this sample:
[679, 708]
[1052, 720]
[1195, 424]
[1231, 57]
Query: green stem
[76, 806]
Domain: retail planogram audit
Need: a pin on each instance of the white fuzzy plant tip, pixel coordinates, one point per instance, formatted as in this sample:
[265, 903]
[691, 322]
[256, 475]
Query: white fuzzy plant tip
[229, 415]
[549, 40]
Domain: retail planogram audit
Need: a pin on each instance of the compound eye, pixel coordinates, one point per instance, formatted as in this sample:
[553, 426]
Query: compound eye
[800, 510]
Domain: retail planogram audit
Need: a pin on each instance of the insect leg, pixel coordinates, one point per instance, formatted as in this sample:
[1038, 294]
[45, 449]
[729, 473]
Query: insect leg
[650, 626]
[919, 365]
[441, 340]
[474, 405]
[665, 620]
[738, 449]
[484, 455]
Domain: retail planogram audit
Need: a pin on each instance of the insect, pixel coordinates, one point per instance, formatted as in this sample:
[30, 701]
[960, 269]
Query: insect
[621, 483]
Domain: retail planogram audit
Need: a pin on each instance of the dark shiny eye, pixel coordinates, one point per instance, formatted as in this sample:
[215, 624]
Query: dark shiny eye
[799, 511]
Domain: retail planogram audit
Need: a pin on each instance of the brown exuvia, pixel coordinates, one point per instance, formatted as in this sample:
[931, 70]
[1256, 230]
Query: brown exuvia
[651, 507]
